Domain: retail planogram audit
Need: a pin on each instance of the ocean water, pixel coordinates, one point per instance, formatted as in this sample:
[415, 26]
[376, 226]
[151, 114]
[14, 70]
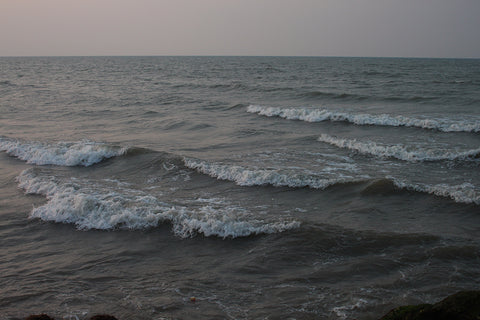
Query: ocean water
[264, 187]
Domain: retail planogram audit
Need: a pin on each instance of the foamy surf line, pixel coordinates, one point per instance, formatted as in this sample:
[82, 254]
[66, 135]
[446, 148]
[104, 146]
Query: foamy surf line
[258, 177]
[82, 153]
[398, 151]
[319, 115]
[89, 205]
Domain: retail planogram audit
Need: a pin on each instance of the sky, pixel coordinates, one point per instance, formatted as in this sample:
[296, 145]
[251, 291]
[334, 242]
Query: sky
[378, 28]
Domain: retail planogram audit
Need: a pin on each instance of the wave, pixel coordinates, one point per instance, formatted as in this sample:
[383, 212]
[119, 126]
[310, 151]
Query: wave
[334, 96]
[380, 187]
[461, 193]
[90, 205]
[83, 153]
[275, 177]
[319, 115]
[399, 151]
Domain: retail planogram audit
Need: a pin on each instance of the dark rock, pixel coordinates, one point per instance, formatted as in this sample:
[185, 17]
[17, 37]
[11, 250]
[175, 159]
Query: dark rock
[464, 305]
[42, 316]
[103, 317]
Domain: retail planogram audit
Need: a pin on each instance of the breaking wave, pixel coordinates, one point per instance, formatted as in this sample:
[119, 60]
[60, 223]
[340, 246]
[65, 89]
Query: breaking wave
[90, 205]
[319, 115]
[461, 193]
[399, 151]
[275, 177]
[83, 153]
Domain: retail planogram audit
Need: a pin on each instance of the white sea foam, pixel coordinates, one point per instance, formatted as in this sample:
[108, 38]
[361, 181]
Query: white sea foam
[398, 151]
[343, 312]
[255, 177]
[319, 115]
[461, 193]
[83, 153]
[90, 206]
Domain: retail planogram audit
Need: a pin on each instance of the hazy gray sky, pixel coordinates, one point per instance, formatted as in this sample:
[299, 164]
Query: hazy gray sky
[408, 28]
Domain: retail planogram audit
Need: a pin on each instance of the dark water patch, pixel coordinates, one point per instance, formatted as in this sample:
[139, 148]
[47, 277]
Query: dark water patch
[332, 255]
[229, 86]
[409, 99]
[328, 240]
[187, 85]
[174, 125]
[214, 105]
[92, 112]
[134, 151]
[421, 98]
[334, 96]
[7, 83]
[374, 73]
[236, 106]
[151, 113]
[250, 132]
[223, 87]
[200, 126]
[350, 242]
[380, 187]
[455, 252]
[276, 89]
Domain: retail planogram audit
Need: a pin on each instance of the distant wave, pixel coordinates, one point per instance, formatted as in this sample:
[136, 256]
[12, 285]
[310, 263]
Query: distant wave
[83, 153]
[232, 86]
[398, 151]
[334, 96]
[319, 115]
[90, 205]
[256, 177]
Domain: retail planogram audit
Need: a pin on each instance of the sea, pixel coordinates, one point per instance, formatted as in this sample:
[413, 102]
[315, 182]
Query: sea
[236, 187]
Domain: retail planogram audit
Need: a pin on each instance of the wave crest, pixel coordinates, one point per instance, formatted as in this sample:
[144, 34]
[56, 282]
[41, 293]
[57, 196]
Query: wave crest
[461, 193]
[90, 206]
[319, 115]
[257, 177]
[83, 153]
[398, 151]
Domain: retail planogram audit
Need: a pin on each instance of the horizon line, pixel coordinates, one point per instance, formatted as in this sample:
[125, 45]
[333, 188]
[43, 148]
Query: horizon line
[234, 55]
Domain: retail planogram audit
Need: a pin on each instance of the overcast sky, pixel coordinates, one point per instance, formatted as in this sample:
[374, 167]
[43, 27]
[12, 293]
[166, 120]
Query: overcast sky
[400, 28]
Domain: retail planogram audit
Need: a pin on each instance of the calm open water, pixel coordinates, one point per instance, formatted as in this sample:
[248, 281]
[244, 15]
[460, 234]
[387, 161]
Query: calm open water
[265, 187]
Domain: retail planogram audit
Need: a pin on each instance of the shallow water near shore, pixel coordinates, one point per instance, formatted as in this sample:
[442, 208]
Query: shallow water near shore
[265, 187]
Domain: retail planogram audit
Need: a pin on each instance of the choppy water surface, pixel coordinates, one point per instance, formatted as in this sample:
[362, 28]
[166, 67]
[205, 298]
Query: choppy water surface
[328, 188]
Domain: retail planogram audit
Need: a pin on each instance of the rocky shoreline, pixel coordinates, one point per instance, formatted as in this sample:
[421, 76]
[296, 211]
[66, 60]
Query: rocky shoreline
[44, 316]
[464, 305]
